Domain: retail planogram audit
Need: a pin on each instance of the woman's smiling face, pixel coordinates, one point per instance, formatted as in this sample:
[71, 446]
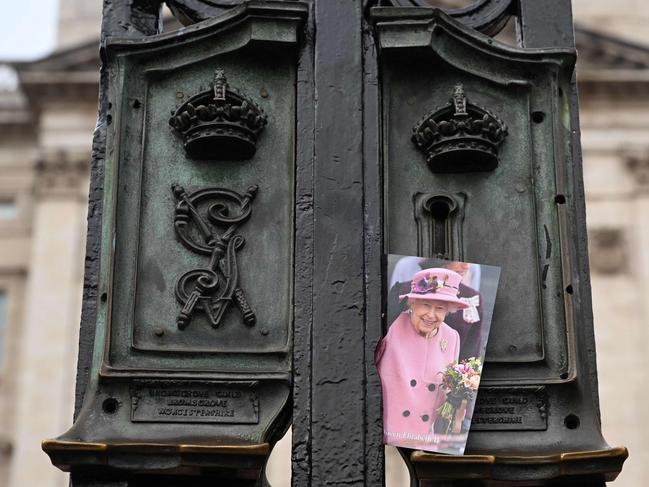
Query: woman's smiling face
[427, 315]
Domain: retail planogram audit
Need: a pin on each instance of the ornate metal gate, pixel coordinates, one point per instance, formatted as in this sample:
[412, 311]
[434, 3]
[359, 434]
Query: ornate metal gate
[249, 172]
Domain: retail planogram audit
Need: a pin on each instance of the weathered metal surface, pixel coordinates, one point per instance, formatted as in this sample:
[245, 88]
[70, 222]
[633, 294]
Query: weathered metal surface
[373, 258]
[337, 381]
[173, 264]
[135, 19]
[192, 11]
[488, 16]
[304, 248]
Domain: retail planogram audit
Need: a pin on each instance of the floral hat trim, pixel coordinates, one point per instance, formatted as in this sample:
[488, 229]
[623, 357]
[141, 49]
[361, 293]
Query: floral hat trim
[429, 284]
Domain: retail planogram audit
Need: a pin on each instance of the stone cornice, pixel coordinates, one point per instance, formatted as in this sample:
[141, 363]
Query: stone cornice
[71, 87]
[69, 75]
[610, 65]
[612, 83]
[62, 173]
[16, 123]
[613, 76]
[606, 51]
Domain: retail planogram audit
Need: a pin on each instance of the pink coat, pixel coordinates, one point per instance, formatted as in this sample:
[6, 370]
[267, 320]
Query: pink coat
[409, 366]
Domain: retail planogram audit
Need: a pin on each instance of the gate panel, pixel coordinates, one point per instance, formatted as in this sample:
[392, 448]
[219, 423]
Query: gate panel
[192, 358]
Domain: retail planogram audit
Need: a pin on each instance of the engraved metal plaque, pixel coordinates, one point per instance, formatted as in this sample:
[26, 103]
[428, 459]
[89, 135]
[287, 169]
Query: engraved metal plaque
[520, 408]
[195, 402]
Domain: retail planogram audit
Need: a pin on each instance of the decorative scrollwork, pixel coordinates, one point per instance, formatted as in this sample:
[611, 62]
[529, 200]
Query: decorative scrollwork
[198, 218]
[487, 16]
[191, 11]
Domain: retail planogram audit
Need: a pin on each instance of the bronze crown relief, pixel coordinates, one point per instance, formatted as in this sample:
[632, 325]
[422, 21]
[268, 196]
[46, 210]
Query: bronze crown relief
[460, 136]
[219, 123]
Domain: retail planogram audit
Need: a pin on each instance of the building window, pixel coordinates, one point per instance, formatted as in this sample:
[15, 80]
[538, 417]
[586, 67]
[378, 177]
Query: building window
[8, 210]
[3, 319]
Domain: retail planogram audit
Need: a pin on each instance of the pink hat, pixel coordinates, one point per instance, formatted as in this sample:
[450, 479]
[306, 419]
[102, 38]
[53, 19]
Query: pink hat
[436, 284]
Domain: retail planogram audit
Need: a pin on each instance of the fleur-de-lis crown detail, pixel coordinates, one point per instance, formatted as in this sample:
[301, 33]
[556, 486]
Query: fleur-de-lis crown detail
[220, 85]
[459, 100]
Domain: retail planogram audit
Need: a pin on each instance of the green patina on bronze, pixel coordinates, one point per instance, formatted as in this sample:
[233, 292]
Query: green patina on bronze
[211, 381]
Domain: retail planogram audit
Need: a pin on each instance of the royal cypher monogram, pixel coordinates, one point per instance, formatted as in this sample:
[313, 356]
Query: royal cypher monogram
[198, 218]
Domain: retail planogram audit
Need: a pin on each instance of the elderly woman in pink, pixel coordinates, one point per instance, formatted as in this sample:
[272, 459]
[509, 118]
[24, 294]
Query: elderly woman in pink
[411, 357]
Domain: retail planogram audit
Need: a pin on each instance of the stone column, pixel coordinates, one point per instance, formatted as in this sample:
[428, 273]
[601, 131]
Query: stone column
[638, 167]
[633, 387]
[619, 256]
[46, 369]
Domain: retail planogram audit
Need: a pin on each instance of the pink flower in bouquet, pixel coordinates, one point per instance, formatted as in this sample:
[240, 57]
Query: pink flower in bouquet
[461, 383]
[461, 380]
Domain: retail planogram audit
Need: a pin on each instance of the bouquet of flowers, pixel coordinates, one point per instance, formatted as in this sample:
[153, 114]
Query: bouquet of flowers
[460, 380]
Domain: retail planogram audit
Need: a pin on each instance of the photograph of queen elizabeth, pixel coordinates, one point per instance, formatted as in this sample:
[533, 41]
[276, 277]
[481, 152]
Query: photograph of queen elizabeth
[429, 388]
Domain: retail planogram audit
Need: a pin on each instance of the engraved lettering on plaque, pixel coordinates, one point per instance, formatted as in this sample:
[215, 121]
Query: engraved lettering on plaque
[195, 402]
[520, 408]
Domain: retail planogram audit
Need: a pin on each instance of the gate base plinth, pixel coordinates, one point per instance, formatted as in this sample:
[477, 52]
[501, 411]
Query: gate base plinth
[240, 465]
[586, 468]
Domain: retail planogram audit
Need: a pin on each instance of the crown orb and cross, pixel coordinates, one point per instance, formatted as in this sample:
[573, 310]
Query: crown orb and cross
[460, 137]
[219, 123]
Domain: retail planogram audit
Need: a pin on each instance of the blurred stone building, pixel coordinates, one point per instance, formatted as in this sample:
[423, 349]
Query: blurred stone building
[47, 115]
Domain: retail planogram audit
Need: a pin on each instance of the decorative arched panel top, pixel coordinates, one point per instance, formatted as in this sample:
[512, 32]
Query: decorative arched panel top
[461, 46]
[191, 11]
[270, 21]
[487, 16]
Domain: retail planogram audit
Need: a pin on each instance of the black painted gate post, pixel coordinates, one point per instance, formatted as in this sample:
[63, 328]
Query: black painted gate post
[337, 430]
